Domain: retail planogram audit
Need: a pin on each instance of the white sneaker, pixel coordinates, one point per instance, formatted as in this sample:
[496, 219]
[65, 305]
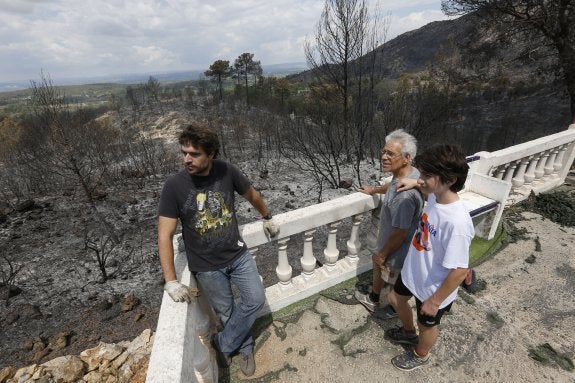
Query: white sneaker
[366, 301]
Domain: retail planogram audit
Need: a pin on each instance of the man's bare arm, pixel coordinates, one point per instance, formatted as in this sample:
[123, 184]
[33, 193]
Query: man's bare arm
[271, 229]
[256, 200]
[394, 241]
[166, 230]
[371, 190]
[410, 183]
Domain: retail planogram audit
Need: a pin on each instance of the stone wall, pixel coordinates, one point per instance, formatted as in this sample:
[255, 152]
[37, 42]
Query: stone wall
[106, 363]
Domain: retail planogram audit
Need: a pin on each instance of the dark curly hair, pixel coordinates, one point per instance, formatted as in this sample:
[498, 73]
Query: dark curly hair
[200, 136]
[446, 161]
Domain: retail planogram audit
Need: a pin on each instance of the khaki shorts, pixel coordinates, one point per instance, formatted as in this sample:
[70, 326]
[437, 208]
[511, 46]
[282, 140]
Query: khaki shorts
[388, 275]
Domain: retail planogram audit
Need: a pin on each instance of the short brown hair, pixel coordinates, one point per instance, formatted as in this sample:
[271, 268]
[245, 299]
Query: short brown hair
[446, 161]
[200, 136]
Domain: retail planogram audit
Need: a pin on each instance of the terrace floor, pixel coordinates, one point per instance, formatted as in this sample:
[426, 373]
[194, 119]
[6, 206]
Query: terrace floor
[526, 309]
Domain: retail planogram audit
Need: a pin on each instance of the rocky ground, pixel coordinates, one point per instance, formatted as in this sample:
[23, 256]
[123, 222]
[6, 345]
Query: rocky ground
[59, 303]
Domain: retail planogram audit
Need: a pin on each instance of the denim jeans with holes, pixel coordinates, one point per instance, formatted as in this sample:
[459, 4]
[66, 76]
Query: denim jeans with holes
[238, 317]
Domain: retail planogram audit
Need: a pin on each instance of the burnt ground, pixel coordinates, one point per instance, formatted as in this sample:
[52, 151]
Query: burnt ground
[58, 303]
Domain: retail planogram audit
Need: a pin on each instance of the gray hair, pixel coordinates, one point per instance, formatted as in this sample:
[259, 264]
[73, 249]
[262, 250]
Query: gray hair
[407, 141]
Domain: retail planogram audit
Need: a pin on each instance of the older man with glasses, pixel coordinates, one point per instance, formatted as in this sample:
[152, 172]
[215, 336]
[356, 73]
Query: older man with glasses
[399, 218]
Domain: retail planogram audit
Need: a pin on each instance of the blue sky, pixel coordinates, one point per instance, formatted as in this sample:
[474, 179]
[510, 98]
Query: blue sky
[81, 38]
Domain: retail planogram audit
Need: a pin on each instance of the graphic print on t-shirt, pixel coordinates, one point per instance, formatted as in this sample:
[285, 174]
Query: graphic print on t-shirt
[212, 213]
[421, 238]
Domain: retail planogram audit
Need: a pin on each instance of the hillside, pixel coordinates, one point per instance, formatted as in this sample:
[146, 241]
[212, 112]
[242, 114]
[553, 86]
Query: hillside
[495, 90]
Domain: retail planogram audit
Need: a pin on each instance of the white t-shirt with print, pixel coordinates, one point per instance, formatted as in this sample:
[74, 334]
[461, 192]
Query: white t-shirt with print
[440, 244]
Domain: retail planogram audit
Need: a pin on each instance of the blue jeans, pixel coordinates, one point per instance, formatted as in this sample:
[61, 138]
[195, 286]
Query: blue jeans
[236, 318]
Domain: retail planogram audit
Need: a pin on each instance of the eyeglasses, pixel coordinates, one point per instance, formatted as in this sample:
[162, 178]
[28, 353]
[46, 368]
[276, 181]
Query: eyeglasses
[388, 154]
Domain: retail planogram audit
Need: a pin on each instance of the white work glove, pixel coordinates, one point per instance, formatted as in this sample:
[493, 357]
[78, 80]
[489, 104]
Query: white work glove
[271, 229]
[178, 292]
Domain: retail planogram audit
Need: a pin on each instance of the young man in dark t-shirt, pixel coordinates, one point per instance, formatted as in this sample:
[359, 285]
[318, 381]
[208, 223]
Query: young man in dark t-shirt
[202, 197]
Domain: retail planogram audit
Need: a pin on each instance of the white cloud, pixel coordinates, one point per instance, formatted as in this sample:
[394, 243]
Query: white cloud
[97, 37]
[153, 56]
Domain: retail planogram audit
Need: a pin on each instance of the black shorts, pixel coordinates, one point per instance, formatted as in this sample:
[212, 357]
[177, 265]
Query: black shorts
[424, 320]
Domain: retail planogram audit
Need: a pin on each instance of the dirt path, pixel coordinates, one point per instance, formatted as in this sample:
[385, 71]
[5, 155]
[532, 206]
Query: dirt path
[528, 302]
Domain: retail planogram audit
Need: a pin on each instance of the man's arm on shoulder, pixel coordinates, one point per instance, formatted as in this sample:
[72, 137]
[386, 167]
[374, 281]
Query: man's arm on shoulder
[166, 230]
[409, 183]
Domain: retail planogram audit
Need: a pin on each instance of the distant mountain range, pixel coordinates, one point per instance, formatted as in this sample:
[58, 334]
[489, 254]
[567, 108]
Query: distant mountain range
[137, 78]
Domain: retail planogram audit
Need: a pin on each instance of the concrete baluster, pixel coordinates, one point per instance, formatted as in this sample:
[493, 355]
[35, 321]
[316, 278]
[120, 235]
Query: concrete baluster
[549, 166]
[353, 244]
[539, 171]
[530, 173]
[499, 171]
[331, 252]
[253, 251]
[283, 270]
[519, 178]
[308, 260]
[510, 171]
[558, 165]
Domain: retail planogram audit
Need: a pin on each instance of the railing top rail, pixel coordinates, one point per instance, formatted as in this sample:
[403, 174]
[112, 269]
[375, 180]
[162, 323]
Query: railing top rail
[529, 148]
[310, 217]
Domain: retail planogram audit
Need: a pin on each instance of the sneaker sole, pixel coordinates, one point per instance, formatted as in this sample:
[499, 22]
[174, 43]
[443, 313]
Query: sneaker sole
[408, 342]
[384, 316]
[244, 366]
[370, 309]
[366, 305]
[408, 369]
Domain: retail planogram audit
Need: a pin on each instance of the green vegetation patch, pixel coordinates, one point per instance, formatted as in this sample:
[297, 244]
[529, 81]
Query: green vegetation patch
[537, 244]
[467, 298]
[558, 207]
[495, 319]
[546, 354]
[269, 377]
[343, 292]
[345, 338]
[482, 249]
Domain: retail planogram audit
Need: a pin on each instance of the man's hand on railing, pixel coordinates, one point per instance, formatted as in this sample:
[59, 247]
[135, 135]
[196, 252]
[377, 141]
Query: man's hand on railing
[271, 229]
[369, 190]
[180, 292]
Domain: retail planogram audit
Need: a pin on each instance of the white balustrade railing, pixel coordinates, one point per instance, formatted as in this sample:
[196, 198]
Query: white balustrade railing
[306, 221]
[180, 352]
[538, 165]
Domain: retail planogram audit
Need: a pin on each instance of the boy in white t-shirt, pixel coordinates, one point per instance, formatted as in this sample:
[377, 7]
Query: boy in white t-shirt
[437, 261]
